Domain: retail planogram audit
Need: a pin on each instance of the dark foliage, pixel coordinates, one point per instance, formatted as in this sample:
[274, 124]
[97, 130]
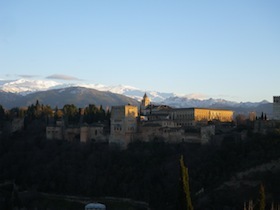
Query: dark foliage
[92, 169]
[145, 171]
[95, 114]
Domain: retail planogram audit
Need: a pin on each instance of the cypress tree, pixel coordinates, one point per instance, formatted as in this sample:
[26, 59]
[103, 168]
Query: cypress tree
[262, 197]
[2, 113]
[185, 182]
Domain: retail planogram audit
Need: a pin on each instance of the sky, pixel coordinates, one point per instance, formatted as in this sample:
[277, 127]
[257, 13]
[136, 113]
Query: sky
[226, 49]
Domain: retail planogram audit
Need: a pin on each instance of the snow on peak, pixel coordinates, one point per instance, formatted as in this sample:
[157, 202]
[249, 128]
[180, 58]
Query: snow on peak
[24, 86]
[121, 89]
[198, 96]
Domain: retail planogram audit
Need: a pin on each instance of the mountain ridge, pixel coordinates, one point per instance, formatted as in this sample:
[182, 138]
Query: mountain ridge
[22, 92]
[28, 86]
[79, 96]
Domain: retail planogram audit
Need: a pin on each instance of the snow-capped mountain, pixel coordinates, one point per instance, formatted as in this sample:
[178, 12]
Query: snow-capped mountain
[27, 86]
[79, 96]
[23, 86]
[23, 92]
[183, 102]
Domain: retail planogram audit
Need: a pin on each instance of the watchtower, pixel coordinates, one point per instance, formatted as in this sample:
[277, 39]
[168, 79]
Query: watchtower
[276, 107]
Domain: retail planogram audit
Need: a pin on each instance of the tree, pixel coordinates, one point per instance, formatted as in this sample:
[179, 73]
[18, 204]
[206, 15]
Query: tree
[108, 114]
[58, 114]
[71, 113]
[94, 114]
[185, 180]
[2, 113]
[38, 109]
[47, 113]
[262, 197]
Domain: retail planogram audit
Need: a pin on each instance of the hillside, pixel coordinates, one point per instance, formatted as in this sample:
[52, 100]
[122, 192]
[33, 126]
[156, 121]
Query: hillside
[7, 99]
[221, 176]
[78, 96]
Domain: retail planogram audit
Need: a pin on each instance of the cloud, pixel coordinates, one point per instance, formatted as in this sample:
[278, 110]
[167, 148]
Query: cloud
[9, 75]
[27, 76]
[62, 77]
[16, 76]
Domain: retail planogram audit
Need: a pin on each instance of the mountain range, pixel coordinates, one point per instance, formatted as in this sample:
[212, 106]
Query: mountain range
[79, 96]
[27, 86]
[23, 92]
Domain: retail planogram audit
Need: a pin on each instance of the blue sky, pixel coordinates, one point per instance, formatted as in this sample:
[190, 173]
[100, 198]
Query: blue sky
[223, 49]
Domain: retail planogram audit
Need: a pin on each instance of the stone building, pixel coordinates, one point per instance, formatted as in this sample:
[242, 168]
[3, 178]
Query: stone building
[54, 132]
[83, 132]
[94, 133]
[263, 126]
[276, 107]
[123, 124]
[169, 124]
[199, 116]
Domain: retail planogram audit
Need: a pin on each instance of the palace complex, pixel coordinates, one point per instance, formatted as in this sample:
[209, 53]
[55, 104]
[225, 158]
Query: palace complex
[148, 122]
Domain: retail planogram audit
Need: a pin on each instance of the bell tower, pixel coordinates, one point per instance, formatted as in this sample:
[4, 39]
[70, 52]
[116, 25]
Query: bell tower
[145, 101]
